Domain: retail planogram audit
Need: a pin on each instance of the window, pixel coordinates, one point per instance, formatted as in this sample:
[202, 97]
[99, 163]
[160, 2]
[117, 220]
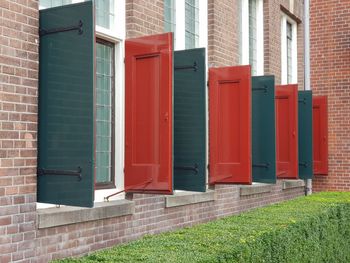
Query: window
[54, 3]
[104, 13]
[191, 23]
[252, 35]
[104, 113]
[109, 101]
[187, 19]
[288, 51]
[169, 16]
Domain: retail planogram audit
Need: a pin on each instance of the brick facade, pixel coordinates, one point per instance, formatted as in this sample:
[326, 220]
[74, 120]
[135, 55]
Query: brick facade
[330, 75]
[18, 127]
[144, 17]
[20, 238]
[223, 33]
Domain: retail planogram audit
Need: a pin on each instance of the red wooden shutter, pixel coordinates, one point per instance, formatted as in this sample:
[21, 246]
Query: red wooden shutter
[148, 114]
[320, 135]
[287, 131]
[230, 125]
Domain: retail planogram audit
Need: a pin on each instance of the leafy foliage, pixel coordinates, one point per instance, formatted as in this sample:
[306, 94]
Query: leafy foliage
[307, 229]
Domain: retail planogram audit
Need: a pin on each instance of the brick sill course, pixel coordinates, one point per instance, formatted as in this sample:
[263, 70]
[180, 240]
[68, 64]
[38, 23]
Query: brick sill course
[187, 198]
[65, 215]
[255, 188]
[288, 184]
[52, 217]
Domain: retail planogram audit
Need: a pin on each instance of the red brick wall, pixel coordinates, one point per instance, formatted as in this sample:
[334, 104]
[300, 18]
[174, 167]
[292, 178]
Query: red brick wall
[223, 33]
[18, 127]
[144, 17]
[330, 75]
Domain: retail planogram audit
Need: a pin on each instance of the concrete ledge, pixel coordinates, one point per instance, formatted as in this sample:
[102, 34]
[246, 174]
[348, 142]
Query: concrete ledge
[51, 217]
[255, 188]
[187, 198]
[288, 184]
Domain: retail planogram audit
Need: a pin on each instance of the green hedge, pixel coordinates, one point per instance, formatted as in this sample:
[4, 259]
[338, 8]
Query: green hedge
[306, 229]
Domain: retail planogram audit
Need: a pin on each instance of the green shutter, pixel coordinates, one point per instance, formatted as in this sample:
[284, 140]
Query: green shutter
[66, 106]
[263, 129]
[305, 134]
[189, 120]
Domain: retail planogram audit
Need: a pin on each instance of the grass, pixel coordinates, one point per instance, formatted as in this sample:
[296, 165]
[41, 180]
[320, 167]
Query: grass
[307, 229]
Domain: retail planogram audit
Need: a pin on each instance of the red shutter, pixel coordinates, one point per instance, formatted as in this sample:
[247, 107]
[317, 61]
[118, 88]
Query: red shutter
[148, 114]
[287, 131]
[230, 125]
[320, 135]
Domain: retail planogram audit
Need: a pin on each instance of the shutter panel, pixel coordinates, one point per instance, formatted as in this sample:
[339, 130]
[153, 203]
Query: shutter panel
[263, 129]
[66, 106]
[287, 131]
[320, 135]
[230, 125]
[189, 120]
[148, 114]
[305, 134]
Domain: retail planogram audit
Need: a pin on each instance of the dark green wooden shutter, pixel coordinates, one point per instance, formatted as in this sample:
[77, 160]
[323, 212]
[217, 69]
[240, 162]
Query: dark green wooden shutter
[305, 134]
[189, 120]
[66, 106]
[263, 129]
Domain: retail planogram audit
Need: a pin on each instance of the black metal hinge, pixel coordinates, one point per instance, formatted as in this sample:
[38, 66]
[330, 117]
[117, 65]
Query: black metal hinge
[188, 168]
[42, 172]
[194, 67]
[79, 27]
[261, 165]
[304, 164]
[263, 88]
[302, 101]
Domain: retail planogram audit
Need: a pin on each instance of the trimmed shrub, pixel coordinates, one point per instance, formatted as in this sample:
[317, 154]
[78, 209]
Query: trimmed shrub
[307, 229]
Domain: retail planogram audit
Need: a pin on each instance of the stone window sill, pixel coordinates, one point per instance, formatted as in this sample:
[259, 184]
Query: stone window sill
[52, 217]
[188, 198]
[255, 188]
[289, 184]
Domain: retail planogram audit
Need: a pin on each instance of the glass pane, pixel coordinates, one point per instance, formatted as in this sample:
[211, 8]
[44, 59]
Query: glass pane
[289, 53]
[252, 36]
[104, 77]
[53, 3]
[191, 23]
[169, 16]
[105, 13]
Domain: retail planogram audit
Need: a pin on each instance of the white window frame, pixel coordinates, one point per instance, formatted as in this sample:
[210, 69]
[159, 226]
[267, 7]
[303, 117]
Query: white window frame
[284, 63]
[116, 35]
[244, 35]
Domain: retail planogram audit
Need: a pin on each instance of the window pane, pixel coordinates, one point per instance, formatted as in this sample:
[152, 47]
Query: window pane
[104, 80]
[170, 16]
[53, 3]
[252, 36]
[289, 53]
[191, 23]
[105, 13]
